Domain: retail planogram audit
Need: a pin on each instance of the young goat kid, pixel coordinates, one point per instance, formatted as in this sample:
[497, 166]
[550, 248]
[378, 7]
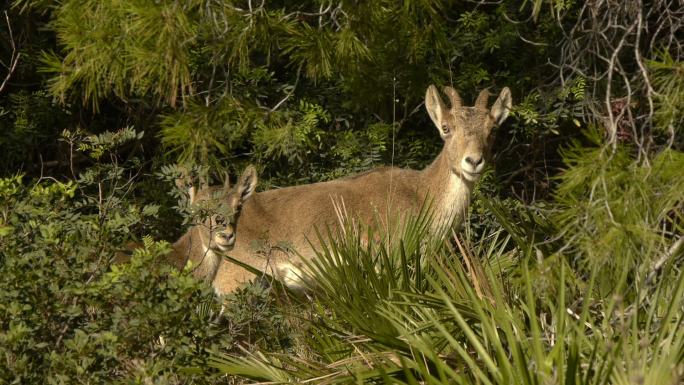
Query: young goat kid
[205, 243]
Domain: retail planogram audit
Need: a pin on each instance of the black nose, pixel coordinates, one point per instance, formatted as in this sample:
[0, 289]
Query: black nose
[473, 162]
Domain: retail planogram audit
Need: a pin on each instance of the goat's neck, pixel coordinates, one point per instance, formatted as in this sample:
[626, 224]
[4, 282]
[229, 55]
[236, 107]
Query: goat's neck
[204, 260]
[447, 192]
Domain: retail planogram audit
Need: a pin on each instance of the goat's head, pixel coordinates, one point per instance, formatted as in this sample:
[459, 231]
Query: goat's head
[467, 131]
[220, 208]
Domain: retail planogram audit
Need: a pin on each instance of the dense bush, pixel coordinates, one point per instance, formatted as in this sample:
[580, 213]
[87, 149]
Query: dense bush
[68, 313]
[307, 89]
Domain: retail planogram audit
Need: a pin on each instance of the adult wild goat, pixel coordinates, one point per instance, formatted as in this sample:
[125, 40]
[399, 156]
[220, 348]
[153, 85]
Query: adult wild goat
[292, 214]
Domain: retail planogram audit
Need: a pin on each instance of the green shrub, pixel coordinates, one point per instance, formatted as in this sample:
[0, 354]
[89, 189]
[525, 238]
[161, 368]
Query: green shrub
[68, 314]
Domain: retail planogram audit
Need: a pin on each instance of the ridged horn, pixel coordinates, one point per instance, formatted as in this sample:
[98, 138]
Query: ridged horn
[454, 98]
[482, 99]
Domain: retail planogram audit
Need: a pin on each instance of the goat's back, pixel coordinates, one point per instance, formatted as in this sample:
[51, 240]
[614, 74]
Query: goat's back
[291, 216]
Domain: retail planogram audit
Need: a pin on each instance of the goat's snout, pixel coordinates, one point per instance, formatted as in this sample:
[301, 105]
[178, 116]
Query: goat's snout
[474, 161]
[473, 164]
[227, 237]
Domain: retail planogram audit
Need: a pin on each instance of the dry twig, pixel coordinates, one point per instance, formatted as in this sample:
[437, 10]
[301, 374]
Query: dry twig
[14, 59]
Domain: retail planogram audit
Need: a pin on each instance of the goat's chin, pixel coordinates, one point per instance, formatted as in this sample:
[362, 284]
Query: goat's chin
[467, 176]
[471, 177]
[222, 248]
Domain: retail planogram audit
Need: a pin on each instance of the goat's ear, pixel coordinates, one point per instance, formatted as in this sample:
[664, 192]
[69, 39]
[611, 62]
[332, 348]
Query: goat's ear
[502, 106]
[184, 179]
[247, 183]
[203, 184]
[435, 108]
[180, 183]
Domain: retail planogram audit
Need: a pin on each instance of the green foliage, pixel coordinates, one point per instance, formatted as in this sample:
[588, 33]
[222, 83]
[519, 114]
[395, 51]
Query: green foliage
[280, 82]
[65, 314]
[203, 133]
[570, 275]
[364, 267]
[668, 81]
[594, 296]
[615, 206]
[29, 121]
[253, 319]
[561, 106]
[290, 135]
[123, 48]
[69, 313]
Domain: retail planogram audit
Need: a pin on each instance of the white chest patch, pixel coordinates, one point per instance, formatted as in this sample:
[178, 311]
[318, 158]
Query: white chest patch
[208, 264]
[208, 254]
[452, 203]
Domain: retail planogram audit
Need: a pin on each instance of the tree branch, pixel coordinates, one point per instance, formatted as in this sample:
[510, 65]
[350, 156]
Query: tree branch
[14, 60]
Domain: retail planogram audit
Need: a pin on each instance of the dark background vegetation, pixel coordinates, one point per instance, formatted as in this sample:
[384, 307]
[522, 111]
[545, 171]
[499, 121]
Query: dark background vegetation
[98, 99]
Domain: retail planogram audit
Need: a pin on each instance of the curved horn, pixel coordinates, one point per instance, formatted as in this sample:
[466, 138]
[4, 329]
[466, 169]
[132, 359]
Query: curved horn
[482, 99]
[454, 98]
[203, 184]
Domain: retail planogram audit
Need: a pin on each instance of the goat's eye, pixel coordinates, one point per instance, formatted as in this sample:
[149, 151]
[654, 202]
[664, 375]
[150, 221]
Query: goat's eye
[445, 128]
